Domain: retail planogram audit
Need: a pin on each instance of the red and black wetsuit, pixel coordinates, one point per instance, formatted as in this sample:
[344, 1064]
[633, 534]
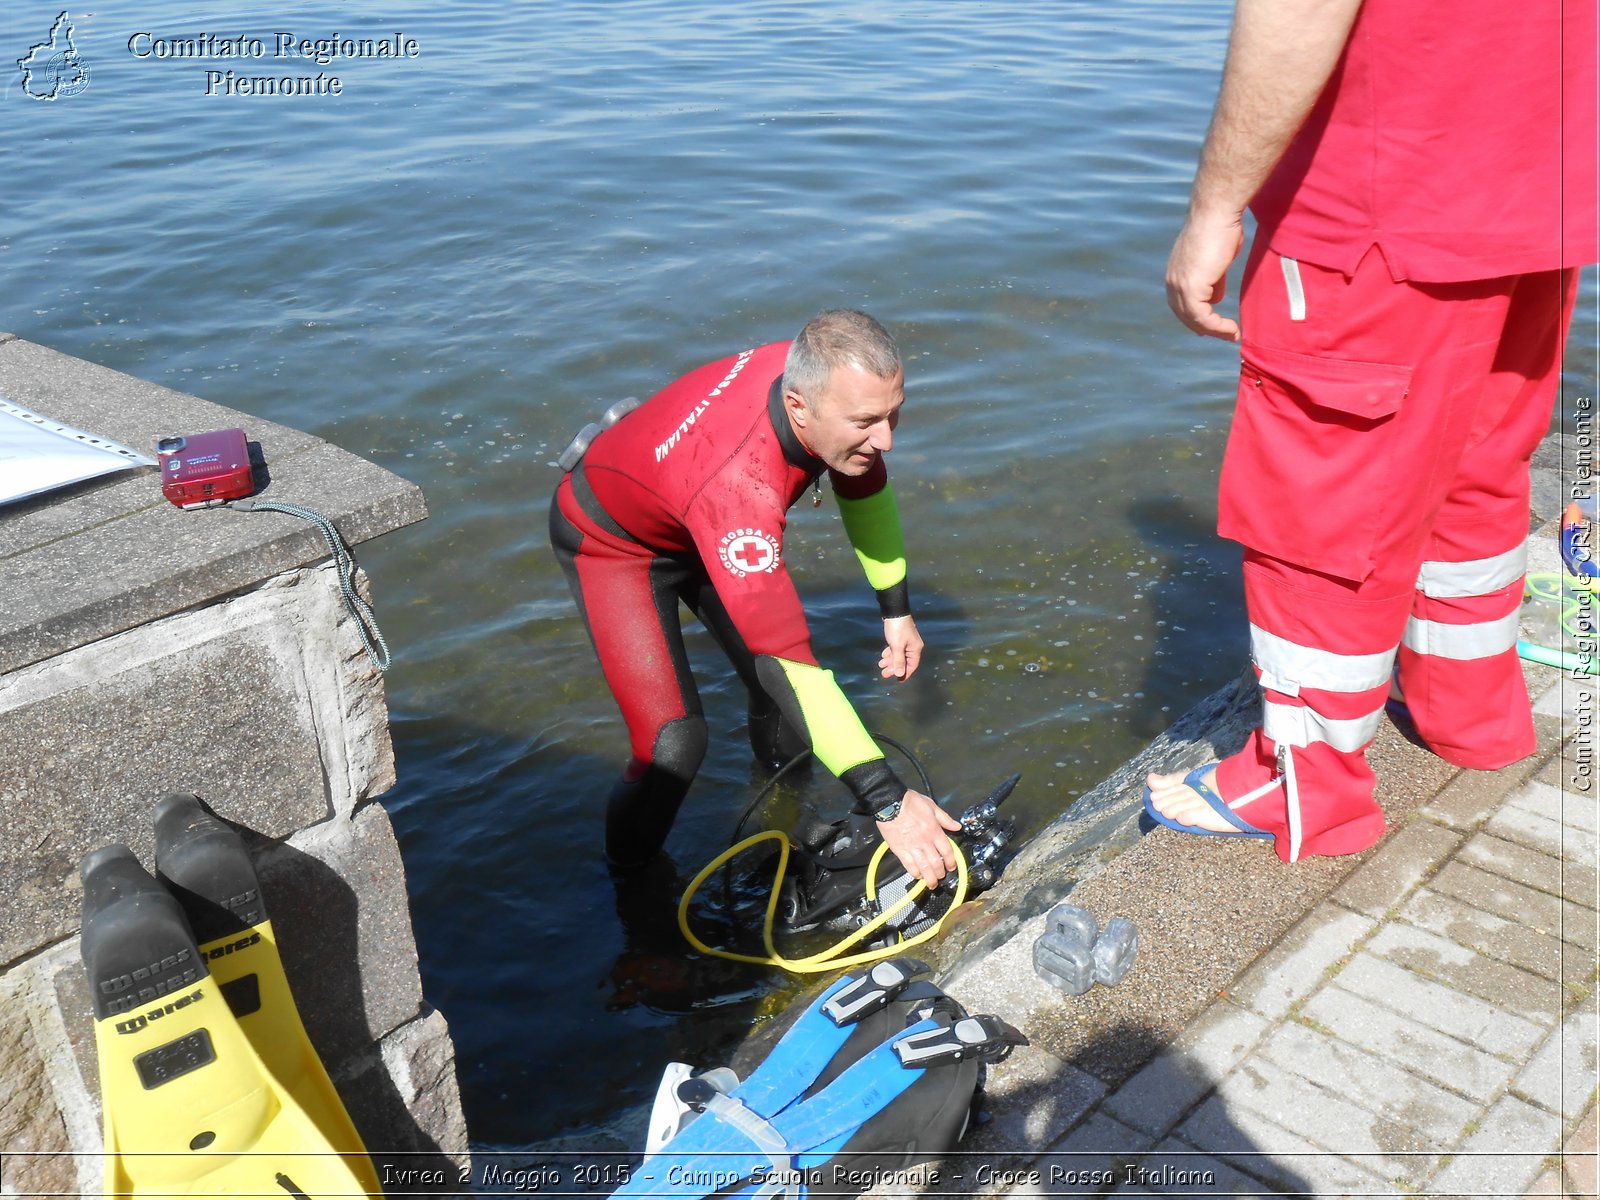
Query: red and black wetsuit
[686, 499]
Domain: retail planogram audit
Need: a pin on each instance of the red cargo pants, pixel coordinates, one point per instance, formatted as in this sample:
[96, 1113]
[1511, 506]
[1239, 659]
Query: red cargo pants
[1377, 476]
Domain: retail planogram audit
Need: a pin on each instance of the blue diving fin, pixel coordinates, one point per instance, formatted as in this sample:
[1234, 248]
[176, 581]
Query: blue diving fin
[872, 1071]
[735, 1145]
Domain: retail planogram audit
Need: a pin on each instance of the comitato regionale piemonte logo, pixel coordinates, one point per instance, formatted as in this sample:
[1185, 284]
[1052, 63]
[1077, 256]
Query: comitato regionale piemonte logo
[53, 68]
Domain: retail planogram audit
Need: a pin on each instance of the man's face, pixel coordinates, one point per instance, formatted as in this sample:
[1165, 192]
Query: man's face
[852, 421]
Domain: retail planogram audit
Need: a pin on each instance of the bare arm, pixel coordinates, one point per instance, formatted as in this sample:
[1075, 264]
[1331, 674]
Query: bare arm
[1280, 55]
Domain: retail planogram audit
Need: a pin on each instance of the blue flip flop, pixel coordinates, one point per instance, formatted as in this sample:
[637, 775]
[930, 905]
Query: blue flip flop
[1194, 779]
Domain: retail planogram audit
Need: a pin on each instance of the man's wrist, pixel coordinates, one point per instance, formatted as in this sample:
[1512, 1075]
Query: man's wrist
[875, 786]
[1208, 207]
[889, 811]
[894, 601]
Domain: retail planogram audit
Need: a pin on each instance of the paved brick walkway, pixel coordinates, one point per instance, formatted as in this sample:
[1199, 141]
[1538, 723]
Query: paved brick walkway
[1430, 1028]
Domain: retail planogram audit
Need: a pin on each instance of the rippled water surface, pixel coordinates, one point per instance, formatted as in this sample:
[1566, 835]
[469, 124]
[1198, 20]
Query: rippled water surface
[454, 263]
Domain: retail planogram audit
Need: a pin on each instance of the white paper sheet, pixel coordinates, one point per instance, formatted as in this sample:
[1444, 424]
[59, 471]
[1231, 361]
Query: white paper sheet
[38, 454]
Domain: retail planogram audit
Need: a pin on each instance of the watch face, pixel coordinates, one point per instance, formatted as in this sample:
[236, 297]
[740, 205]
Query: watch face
[888, 812]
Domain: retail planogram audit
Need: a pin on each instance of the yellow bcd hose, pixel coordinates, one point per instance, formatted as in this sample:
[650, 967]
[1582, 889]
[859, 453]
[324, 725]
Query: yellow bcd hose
[825, 960]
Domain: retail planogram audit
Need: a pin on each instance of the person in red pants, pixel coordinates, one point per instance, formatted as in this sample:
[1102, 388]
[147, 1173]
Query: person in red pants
[1424, 190]
[684, 500]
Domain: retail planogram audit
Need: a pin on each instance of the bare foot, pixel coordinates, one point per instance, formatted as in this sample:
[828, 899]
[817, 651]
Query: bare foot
[1177, 801]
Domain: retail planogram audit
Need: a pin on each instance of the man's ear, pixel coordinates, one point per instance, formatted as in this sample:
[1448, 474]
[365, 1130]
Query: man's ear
[795, 404]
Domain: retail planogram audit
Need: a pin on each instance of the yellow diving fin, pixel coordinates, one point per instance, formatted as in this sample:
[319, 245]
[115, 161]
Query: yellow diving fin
[208, 1084]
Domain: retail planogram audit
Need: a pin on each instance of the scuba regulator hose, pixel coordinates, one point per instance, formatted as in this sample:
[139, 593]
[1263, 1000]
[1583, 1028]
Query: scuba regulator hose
[828, 959]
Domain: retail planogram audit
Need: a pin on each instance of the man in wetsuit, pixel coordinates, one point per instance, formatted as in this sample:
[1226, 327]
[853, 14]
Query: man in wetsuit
[686, 499]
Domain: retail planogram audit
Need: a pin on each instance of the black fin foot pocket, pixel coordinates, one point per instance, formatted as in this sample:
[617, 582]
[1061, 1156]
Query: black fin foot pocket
[205, 864]
[137, 945]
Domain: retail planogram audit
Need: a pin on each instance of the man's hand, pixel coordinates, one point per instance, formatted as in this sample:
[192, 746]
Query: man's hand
[1280, 56]
[1197, 272]
[903, 652]
[917, 838]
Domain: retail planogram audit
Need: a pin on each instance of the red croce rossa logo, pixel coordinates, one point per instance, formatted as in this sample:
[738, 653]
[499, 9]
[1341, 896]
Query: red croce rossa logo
[749, 551]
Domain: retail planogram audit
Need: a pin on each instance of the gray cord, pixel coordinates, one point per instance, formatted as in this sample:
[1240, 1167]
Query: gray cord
[366, 623]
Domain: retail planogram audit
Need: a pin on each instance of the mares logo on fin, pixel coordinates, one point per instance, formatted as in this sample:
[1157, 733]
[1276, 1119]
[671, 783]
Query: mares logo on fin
[749, 551]
[134, 1024]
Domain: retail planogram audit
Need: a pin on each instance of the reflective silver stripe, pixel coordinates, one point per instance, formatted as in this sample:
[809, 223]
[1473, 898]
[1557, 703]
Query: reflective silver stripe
[1297, 725]
[1297, 291]
[1295, 666]
[1478, 577]
[1483, 639]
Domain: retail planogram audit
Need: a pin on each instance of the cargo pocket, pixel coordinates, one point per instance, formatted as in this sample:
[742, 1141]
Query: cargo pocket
[1310, 458]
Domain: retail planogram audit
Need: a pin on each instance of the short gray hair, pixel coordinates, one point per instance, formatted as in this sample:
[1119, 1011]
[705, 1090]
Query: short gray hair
[836, 338]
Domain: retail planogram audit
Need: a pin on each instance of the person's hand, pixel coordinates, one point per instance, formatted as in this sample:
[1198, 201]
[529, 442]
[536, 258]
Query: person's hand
[903, 649]
[917, 838]
[1197, 272]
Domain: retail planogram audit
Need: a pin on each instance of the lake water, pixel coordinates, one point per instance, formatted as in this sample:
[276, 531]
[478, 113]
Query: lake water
[468, 252]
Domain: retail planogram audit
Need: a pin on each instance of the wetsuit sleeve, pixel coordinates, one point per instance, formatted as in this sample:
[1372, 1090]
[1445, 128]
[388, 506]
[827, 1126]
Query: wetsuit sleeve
[872, 523]
[813, 702]
[741, 545]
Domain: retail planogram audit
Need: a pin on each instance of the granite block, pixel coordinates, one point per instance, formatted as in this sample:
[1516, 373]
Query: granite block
[33, 1136]
[337, 894]
[264, 706]
[112, 555]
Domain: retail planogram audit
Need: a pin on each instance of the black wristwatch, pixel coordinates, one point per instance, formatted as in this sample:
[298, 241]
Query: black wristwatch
[889, 811]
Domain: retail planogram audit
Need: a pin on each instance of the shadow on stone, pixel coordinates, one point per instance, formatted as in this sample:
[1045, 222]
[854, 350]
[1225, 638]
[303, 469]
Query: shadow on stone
[1045, 1132]
[1042, 1129]
[315, 917]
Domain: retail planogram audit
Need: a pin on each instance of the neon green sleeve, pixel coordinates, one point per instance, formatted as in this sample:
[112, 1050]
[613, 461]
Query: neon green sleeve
[872, 523]
[812, 700]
